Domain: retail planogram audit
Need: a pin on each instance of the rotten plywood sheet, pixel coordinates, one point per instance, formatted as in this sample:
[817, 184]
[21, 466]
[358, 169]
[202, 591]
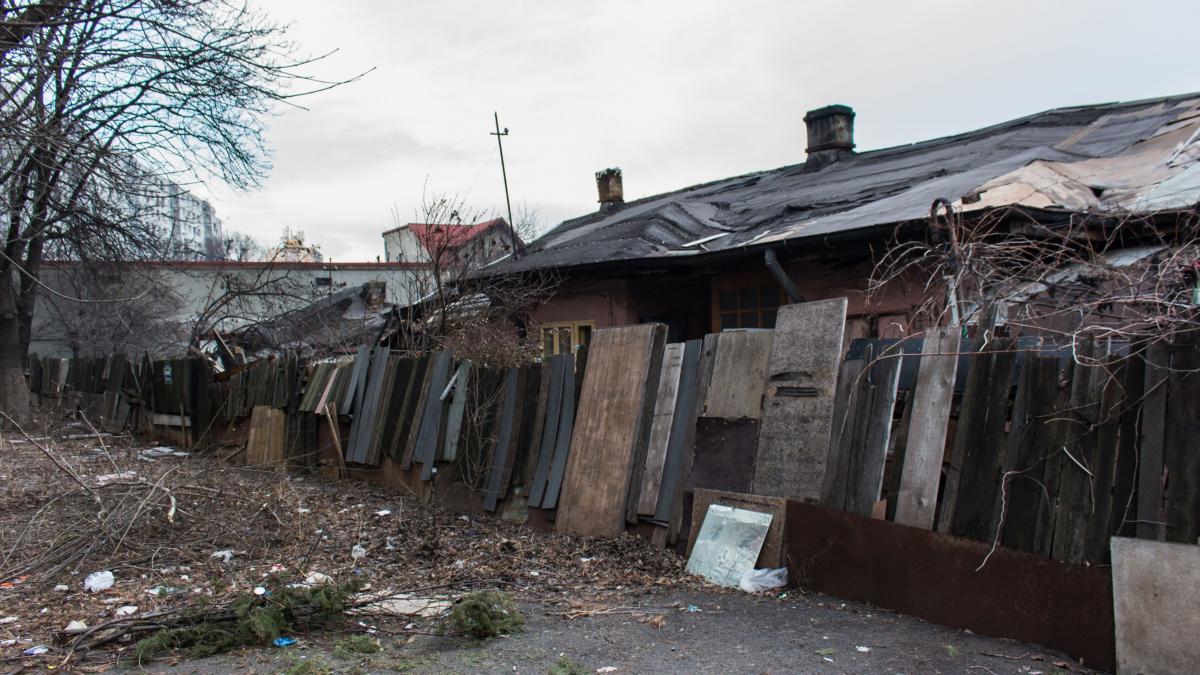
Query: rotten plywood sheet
[739, 374]
[728, 544]
[608, 446]
[1156, 590]
[793, 442]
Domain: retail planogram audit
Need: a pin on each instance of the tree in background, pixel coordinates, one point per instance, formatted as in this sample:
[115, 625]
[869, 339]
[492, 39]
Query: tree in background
[456, 303]
[102, 102]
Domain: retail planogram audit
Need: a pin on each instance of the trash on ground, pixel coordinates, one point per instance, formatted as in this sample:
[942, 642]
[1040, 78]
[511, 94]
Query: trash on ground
[862, 649]
[316, 579]
[36, 651]
[284, 641]
[75, 627]
[757, 581]
[8, 619]
[109, 478]
[162, 451]
[61, 588]
[403, 604]
[98, 581]
[358, 552]
[224, 555]
[126, 610]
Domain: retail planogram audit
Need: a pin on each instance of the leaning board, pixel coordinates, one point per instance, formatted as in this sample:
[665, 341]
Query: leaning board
[608, 448]
[793, 441]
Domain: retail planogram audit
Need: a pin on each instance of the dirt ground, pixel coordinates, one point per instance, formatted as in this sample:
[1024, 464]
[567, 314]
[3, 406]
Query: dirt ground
[183, 531]
[726, 632]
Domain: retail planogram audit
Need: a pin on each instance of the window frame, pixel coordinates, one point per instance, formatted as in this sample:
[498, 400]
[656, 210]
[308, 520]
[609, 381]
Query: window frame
[555, 330]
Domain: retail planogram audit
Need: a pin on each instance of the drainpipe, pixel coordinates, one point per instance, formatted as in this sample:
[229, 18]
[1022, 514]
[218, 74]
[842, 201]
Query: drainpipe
[781, 276]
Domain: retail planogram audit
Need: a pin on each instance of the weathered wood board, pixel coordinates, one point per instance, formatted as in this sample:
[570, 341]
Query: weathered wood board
[739, 374]
[558, 365]
[682, 436]
[502, 455]
[1181, 457]
[562, 440]
[916, 501]
[1150, 467]
[264, 443]
[793, 442]
[982, 425]
[660, 428]
[611, 429]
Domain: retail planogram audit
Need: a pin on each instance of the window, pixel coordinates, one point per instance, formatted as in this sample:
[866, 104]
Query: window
[751, 306]
[564, 337]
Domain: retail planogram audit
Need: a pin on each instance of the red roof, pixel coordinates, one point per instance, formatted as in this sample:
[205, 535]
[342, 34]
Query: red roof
[442, 237]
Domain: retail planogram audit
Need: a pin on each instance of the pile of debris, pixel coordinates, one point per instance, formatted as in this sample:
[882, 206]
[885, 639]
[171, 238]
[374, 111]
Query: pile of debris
[101, 531]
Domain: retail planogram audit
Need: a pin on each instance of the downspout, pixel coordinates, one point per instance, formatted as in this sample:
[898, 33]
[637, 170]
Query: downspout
[781, 276]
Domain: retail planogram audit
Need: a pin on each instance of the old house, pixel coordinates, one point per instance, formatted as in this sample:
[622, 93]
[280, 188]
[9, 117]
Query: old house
[725, 254]
[449, 244]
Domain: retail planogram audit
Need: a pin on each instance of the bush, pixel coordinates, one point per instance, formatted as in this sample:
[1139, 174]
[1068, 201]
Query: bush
[483, 615]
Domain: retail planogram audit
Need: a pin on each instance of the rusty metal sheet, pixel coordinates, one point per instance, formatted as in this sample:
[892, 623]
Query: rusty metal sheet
[934, 576]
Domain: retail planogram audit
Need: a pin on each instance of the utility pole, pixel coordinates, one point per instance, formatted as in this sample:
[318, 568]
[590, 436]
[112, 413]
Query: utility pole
[512, 234]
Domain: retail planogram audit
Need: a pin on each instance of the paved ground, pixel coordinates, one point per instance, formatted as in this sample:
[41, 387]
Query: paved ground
[729, 633]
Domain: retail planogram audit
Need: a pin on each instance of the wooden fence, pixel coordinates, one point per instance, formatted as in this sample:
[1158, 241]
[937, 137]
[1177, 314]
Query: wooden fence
[1035, 447]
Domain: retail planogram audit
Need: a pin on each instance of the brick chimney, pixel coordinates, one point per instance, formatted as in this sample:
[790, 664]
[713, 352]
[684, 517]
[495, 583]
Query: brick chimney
[608, 187]
[830, 135]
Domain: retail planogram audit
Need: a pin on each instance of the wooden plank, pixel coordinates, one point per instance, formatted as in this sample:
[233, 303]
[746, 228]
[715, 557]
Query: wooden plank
[410, 404]
[933, 394]
[335, 432]
[793, 442]
[505, 431]
[529, 385]
[843, 427]
[679, 525]
[739, 374]
[1151, 521]
[546, 446]
[867, 473]
[611, 430]
[1059, 434]
[1124, 518]
[683, 431]
[1181, 458]
[985, 440]
[1108, 429]
[562, 439]
[430, 429]
[660, 428]
[1077, 477]
[531, 451]
[367, 407]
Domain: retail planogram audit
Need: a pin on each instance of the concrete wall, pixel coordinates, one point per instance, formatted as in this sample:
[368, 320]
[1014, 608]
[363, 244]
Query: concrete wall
[401, 245]
[159, 302]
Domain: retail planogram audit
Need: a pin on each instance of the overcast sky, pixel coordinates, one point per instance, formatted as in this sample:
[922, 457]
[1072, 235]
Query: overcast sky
[673, 93]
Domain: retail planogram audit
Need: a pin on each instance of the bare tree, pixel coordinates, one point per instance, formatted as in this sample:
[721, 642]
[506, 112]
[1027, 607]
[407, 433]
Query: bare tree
[102, 103]
[1101, 277]
[457, 304]
[241, 247]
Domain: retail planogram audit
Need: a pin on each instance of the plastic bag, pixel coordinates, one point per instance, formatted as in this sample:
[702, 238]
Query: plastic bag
[98, 581]
[757, 581]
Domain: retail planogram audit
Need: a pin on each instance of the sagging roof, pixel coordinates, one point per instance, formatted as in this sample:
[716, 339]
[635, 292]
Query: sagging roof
[1135, 157]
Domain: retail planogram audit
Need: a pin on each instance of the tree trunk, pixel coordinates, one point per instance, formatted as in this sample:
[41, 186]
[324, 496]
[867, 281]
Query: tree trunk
[14, 393]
